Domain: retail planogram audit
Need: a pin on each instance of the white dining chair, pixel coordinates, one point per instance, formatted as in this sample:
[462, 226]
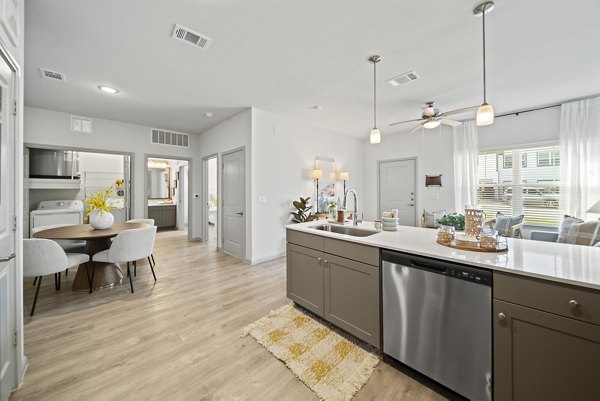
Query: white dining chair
[128, 247]
[69, 246]
[42, 257]
[150, 222]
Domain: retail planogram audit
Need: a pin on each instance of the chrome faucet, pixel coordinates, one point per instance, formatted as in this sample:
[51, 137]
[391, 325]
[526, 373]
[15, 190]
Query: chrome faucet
[355, 214]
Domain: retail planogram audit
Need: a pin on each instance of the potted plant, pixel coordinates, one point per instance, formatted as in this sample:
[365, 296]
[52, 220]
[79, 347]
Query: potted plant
[455, 220]
[99, 214]
[302, 214]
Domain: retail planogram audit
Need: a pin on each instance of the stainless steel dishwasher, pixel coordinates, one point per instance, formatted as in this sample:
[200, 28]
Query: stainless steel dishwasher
[437, 319]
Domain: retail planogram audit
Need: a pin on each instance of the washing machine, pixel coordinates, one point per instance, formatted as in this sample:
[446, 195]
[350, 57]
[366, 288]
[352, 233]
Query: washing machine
[56, 212]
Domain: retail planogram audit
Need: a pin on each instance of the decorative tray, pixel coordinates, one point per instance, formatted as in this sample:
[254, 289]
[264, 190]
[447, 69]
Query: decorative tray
[501, 246]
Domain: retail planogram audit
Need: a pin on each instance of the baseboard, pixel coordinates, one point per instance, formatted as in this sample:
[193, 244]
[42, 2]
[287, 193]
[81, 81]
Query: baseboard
[267, 258]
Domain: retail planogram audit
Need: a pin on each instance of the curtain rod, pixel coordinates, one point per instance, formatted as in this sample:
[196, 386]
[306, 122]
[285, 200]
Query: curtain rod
[516, 113]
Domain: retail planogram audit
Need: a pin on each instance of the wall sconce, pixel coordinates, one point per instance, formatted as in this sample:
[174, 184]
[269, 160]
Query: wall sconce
[317, 175]
[344, 176]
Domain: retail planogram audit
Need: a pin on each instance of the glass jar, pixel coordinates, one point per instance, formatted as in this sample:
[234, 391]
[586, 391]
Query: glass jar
[488, 239]
[446, 234]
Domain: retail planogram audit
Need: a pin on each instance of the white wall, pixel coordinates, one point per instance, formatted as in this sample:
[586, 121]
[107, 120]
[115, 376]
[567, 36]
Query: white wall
[100, 163]
[536, 127]
[434, 153]
[231, 134]
[283, 153]
[52, 128]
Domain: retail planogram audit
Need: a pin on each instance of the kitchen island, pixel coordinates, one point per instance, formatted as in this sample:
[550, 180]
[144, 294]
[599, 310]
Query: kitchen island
[545, 306]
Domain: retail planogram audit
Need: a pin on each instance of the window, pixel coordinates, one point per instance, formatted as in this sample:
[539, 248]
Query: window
[507, 160]
[548, 158]
[531, 189]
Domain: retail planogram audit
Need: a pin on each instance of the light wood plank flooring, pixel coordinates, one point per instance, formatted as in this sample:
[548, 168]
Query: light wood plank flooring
[178, 339]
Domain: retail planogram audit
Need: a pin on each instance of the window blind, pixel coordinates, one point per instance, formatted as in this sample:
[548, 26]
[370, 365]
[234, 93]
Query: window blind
[530, 187]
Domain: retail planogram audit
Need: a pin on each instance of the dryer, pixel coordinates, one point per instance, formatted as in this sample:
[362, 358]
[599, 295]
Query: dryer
[56, 212]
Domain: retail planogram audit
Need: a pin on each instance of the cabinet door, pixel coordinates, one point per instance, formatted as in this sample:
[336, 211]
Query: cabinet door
[169, 216]
[305, 277]
[155, 212]
[542, 356]
[352, 297]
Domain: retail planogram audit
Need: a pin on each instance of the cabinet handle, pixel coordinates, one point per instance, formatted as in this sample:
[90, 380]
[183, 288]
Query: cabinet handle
[501, 316]
[573, 304]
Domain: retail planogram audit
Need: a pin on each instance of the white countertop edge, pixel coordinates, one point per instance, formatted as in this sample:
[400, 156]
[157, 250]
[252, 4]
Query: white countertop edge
[521, 257]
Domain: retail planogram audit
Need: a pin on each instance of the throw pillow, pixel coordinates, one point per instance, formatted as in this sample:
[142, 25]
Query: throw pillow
[576, 231]
[504, 223]
[431, 218]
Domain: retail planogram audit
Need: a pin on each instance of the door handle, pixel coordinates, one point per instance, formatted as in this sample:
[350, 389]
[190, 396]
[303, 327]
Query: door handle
[240, 213]
[410, 204]
[7, 258]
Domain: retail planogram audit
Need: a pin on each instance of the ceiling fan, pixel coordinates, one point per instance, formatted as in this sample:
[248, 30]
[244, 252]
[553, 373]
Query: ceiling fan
[432, 117]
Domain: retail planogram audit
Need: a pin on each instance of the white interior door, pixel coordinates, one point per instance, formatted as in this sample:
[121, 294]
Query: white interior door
[7, 234]
[397, 189]
[234, 211]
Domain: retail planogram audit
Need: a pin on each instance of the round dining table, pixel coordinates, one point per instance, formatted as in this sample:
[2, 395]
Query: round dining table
[105, 274]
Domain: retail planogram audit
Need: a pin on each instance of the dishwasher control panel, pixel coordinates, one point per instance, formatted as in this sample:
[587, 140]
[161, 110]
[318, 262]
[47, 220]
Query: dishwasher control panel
[477, 276]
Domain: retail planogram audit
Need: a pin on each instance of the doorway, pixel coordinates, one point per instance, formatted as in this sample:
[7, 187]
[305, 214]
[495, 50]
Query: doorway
[233, 203]
[167, 192]
[397, 189]
[211, 205]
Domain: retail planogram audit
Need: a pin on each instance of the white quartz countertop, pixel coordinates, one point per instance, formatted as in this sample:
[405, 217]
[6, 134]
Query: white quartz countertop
[564, 263]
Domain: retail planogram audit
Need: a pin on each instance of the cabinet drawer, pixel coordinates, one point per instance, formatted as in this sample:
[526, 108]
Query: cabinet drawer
[362, 253]
[303, 239]
[549, 296]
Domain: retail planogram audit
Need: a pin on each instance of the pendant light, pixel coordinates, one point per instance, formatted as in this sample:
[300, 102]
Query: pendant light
[485, 113]
[375, 136]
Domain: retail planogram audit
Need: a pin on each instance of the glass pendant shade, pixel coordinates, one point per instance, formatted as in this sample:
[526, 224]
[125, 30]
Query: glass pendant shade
[485, 114]
[375, 136]
[431, 124]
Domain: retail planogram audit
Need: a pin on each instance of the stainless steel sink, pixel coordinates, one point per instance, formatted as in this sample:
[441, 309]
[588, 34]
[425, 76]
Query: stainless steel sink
[355, 232]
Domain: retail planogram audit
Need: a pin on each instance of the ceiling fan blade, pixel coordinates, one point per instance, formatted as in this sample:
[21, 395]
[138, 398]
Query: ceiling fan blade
[415, 129]
[458, 111]
[449, 122]
[407, 121]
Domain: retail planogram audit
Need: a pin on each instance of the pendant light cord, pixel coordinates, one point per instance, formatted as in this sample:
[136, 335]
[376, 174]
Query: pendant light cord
[375, 94]
[484, 75]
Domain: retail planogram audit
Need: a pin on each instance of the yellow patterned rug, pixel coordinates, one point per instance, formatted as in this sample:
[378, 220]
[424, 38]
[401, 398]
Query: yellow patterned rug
[331, 364]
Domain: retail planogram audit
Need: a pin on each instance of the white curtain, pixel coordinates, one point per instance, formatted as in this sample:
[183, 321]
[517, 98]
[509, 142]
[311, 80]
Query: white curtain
[579, 156]
[465, 164]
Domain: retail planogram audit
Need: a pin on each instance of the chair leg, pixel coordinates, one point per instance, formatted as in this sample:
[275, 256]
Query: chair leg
[130, 278]
[152, 268]
[59, 274]
[35, 280]
[92, 279]
[153, 261]
[134, 268]
[37, 291]
[67, 272]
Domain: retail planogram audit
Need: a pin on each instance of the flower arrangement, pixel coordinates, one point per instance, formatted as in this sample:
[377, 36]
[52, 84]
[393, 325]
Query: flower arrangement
[119, 182]
[99, 201]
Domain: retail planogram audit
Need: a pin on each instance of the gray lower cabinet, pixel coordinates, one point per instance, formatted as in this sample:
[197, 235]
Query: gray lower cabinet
[305, 277]
[352, 297]
[546, 341]
[164, 216]
[342, 290]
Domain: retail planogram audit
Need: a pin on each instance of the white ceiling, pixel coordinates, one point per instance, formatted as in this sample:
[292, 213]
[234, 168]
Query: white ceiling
[286, 57]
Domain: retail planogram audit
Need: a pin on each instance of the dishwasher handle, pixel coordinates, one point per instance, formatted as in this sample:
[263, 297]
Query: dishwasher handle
[430, 267]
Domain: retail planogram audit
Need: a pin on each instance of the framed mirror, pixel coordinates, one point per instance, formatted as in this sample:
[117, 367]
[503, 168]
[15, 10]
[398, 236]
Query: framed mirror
[159, 180]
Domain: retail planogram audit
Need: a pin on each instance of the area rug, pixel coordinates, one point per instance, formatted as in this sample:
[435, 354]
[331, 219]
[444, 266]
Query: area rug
[327, 360]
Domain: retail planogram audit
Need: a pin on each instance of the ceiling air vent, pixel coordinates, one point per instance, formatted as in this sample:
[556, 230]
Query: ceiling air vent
[162, 137]
[53, 75]
[191, 37]
[403, 78]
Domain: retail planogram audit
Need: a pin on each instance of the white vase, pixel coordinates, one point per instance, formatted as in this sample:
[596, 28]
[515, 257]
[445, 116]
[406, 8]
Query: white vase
[101, 220]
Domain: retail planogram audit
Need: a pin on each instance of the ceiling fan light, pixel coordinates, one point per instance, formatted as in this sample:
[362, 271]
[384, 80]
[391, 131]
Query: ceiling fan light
[431, 124]
[485, 114]
[375, 136]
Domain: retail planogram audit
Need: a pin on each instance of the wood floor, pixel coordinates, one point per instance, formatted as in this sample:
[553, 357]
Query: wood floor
[176, 339]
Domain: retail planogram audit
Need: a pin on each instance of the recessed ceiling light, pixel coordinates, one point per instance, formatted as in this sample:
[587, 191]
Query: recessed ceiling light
[208, 114]
[317, 107]
[108, 89]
